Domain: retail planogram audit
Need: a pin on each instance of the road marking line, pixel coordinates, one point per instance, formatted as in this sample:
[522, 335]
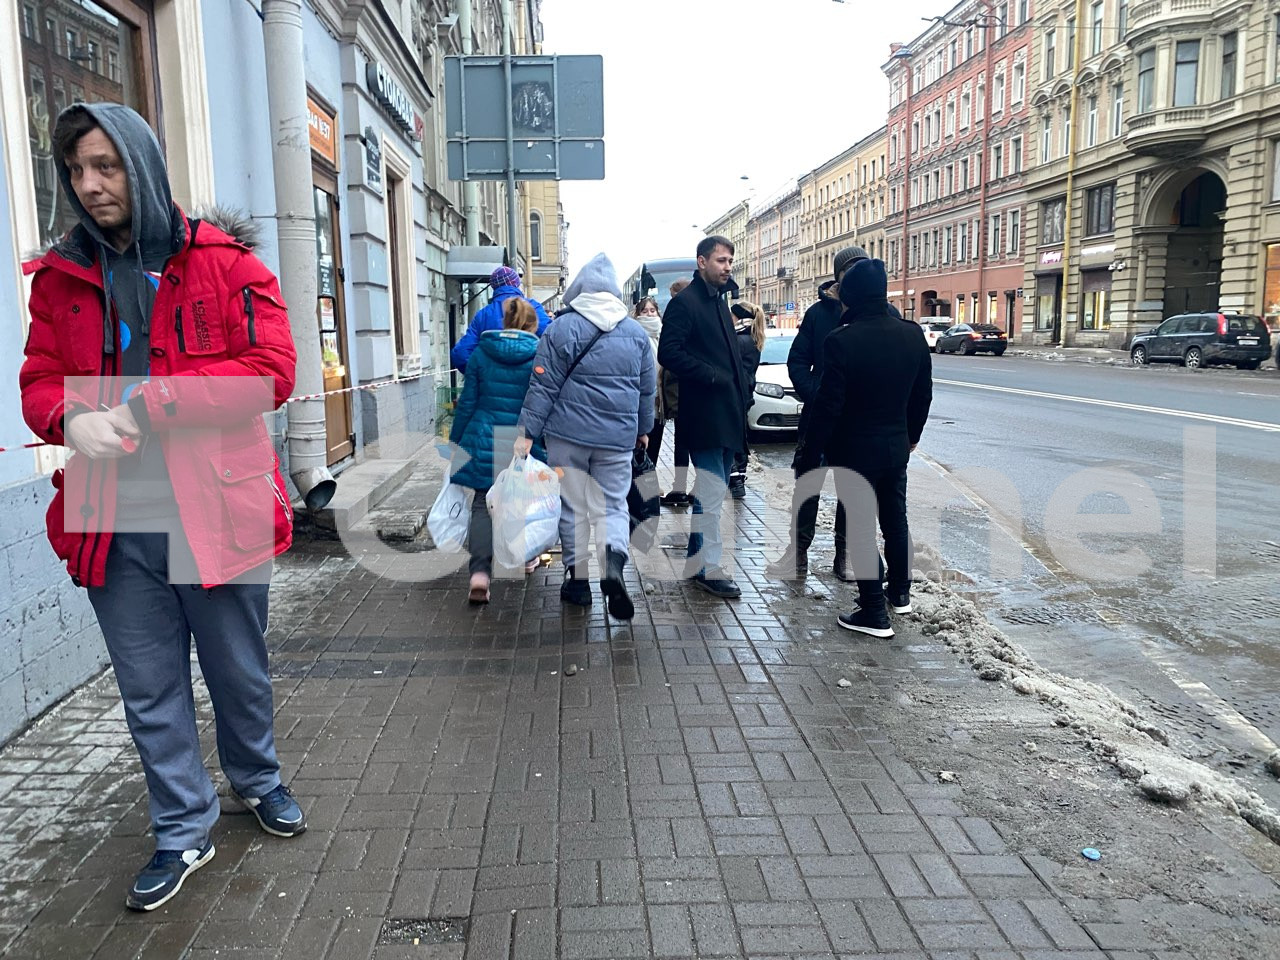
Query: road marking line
[1118, 405]
[1199, 692]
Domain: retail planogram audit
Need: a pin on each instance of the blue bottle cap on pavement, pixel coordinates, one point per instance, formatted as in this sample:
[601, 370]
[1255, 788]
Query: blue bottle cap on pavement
[1090, 854]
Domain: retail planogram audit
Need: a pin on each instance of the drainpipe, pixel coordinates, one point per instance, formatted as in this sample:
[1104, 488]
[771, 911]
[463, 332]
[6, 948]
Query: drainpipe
[296, 227]
[983, 239]
[905, 56]
[1072, 143]
[470, 189]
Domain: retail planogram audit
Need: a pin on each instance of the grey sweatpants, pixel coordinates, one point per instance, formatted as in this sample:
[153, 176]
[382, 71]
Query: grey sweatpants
[148, 624]
[593, 493]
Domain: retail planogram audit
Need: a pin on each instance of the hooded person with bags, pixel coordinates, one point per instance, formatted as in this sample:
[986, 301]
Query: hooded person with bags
[591, 398]
[497, 380]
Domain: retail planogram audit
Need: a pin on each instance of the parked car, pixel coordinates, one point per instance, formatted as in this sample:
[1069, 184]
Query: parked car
[933, 329]
[1204, 339]
[776, 406]
[973, 338]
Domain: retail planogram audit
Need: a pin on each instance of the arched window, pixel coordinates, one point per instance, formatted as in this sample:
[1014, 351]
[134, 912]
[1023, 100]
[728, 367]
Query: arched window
[535, 236]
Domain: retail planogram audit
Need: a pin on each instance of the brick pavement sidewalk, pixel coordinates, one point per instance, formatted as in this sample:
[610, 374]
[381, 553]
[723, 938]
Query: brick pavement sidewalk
[700, 787]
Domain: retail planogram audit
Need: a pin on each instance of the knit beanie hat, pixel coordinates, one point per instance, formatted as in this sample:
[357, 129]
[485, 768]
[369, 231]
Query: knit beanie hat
[504, 277]
[864, 282]
[845, 256]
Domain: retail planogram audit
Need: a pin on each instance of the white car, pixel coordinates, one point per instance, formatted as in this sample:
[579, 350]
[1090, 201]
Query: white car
[933, 329]
[776, 406]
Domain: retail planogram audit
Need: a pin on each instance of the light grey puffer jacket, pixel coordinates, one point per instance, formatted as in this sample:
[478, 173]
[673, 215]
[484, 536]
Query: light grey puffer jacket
[608, 402]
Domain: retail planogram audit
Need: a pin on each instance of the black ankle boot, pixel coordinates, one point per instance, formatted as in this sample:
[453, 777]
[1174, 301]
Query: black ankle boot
[576, 589]
[614, 590]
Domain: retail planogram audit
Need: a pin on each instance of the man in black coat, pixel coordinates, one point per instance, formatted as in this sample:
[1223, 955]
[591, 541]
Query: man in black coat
[698, 345]
[872, 404]
[804, 365]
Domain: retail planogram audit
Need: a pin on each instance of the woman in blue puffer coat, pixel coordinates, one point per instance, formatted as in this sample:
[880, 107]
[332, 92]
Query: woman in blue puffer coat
[492, 396]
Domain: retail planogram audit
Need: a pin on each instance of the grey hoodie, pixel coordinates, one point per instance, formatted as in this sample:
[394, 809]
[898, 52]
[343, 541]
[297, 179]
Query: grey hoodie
[130, 279]
[608, 401]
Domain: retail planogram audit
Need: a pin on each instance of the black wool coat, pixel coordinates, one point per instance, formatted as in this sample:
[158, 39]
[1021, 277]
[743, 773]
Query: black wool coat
[699, 346]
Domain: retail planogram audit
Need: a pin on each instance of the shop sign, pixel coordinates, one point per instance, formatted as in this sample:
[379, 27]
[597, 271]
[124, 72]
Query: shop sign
[1102, 254]
[393, 98]
[373, 159]
[1050, 258]
[323, 129]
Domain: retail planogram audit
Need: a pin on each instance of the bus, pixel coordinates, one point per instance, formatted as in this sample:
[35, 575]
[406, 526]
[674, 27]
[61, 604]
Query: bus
[653, 278]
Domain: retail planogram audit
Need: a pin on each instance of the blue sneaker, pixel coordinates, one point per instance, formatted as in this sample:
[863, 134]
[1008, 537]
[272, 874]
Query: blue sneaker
[162, 878]
[277, 812]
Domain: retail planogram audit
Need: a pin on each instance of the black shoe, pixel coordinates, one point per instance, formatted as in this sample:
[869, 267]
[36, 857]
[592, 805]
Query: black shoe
[737, 487]
[676, 498]
[614, 590]
[718, 584]
[864, 621]
[793, 564]
[899, 600]
[575, 589]
[162, 877]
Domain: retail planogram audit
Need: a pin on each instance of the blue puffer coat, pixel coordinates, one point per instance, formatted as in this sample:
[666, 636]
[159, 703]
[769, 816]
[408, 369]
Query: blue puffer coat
[490, 318]
[497, 378]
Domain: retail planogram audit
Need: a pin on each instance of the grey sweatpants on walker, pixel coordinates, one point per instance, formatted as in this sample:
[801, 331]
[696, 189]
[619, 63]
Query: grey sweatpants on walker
[584, 504]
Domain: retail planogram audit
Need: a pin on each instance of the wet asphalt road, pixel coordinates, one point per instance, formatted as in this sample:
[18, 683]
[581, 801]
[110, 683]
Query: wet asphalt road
[1032, 493]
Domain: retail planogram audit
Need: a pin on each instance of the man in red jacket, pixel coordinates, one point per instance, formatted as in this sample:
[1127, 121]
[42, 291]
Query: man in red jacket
[157, 342]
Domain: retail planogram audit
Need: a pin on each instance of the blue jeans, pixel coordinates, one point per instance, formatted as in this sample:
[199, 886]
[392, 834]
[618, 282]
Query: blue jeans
[148, 624]
[710, 484]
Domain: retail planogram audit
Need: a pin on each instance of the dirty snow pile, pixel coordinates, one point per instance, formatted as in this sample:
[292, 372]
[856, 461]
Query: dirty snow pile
[1112, 728]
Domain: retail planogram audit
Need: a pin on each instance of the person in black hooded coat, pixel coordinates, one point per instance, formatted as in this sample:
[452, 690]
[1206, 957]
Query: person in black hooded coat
[871, 408]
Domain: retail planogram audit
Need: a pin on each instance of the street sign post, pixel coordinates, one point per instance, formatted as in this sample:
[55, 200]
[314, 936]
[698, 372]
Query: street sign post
[557, 117]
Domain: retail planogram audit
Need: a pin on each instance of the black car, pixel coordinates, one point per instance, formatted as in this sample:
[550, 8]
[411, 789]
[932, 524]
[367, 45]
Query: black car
[1203, 339]
[973, 338]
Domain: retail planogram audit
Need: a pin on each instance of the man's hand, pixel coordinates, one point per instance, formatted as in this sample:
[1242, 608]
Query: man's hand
[643, 441]
[523, 446]
[98, 435]
[127, 424]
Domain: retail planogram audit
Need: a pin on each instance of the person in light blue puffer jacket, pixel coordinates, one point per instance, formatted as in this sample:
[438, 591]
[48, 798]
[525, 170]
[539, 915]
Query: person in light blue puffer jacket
[592, 417]
[492, 396]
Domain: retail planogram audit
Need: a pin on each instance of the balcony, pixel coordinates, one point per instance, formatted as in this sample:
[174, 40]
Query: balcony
[1168, 133]
[1149, 14]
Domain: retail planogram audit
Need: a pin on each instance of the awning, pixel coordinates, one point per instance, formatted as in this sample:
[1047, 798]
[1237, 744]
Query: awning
[472, 264]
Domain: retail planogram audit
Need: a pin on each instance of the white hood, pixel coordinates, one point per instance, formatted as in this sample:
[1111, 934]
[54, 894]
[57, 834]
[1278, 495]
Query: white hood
[602, 308]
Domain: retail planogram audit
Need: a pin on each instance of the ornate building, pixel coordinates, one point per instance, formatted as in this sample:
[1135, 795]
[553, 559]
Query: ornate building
[958, 151]
[1174, 198]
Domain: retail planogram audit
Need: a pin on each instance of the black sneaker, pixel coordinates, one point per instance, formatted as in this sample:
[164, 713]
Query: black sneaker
[737, 487]
[899, 600]
[162, 877]
[614, 590]
[676, 498]
[718, 584]
[793, 564]
[277, 812]
[863, 621]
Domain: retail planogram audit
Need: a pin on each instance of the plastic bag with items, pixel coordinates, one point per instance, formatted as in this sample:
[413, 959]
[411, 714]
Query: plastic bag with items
[524, 504]
[449, 521]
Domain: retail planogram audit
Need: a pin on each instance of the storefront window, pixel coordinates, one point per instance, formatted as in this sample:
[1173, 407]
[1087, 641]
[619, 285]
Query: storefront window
[1271, 300]
[1048, 301]
[1096, 294]
[63, 68]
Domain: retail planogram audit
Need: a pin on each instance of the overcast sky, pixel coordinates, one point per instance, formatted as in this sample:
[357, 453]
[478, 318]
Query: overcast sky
[699, 93]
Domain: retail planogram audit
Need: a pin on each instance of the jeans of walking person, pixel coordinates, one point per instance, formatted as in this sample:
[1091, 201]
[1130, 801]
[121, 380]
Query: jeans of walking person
[593, 494]
[480, 535]
[148, 624]
[882, 497]
[710, 484]
[680, 457]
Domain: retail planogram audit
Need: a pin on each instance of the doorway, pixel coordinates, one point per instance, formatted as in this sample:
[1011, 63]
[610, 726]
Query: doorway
[331, 316]
[1194, 267]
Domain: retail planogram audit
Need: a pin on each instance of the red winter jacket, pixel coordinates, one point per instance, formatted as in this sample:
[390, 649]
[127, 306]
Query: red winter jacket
[218, 314]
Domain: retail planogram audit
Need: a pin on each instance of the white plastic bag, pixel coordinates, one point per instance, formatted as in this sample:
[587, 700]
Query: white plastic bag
[450, 518]
[524, 503]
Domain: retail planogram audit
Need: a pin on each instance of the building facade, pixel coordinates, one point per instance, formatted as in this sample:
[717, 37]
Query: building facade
[957, 154]
[843, 202]
[732, 224]
[387, 216]
[1174, 203]
[773, 251]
